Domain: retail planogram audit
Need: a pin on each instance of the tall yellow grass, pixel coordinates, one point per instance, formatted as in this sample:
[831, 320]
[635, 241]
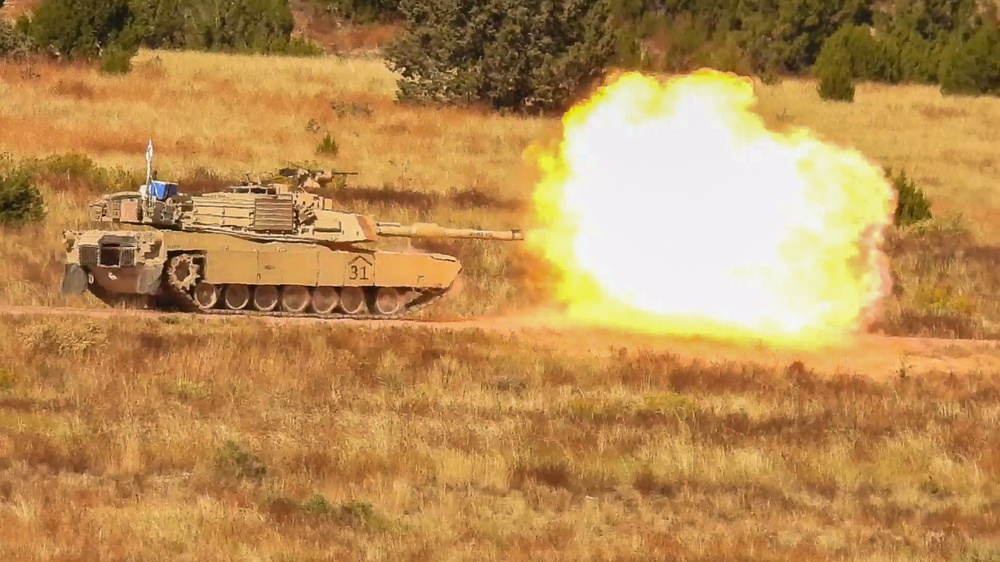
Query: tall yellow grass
[237, 114]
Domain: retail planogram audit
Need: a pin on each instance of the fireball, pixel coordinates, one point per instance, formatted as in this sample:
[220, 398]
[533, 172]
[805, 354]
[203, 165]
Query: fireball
[667, 206]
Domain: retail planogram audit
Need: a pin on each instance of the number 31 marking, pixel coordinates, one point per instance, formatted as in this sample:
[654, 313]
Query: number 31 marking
[359, 273]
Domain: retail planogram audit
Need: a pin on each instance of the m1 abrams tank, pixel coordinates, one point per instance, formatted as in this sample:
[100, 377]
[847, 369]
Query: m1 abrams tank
[256, 249]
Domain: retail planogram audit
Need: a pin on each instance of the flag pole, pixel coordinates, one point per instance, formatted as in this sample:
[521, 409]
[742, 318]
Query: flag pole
[149, 171]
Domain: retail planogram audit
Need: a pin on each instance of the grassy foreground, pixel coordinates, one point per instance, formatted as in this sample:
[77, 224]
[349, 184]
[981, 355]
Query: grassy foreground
[166, 440]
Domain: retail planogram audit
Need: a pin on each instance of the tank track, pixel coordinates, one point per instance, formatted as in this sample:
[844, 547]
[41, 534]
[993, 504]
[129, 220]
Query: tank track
[173, 296]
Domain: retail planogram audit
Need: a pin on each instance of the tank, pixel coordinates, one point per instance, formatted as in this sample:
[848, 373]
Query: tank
[257, 249]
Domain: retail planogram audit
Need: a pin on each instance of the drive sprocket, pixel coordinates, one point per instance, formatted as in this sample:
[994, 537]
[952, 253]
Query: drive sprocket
[182, 272]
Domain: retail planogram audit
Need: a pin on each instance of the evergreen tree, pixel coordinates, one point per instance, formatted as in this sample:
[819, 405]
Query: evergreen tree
[835, 78]
[256, 26]
[918, 57]
[934, 20]
[912, 205]
[20, 201]
[787, 35]
[361, 10]
[506, 53]
[84, 29]
[164, 23]
[868, 57]
[972, 66]
[242, 25]
[13, 41]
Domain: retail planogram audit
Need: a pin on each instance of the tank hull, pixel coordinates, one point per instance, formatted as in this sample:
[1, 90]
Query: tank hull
[214, 273]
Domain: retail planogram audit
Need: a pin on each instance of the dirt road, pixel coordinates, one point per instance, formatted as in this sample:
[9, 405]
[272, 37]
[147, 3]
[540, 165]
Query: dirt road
[870, 355]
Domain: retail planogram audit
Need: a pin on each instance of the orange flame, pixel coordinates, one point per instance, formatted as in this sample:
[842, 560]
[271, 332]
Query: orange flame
[669, 207]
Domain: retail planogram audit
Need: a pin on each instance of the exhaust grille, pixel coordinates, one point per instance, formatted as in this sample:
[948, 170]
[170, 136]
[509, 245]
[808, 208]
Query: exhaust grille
[117, 256]
[89, 255]
[274, 215]
[126, 257]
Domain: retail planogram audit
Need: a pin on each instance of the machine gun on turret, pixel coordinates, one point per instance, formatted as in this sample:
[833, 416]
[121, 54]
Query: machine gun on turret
[308, 179]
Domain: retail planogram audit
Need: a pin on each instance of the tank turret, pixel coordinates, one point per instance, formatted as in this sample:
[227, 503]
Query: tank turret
[265, 213]
[257, 248]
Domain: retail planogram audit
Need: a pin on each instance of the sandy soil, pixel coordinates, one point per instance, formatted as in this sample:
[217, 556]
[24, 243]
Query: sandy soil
[869, 355]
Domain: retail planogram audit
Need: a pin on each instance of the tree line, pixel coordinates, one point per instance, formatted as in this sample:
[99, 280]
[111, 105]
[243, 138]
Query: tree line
[112, 31]
[514, 54]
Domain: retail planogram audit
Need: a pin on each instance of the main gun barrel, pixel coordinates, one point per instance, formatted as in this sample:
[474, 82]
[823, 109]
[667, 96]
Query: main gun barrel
[431, 230]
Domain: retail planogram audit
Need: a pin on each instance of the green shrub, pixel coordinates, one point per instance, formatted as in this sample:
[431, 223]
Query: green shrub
[20, 201]
[115, 60]
[299, 47]
[788, 35]
[83, 29]
[257, 26]
[14, 42]
[836, 82]
[912, 205]
[869, 57]
[165, 24]
[505, 53]
[250, 26]
[23, 24]
[919, 58]
[972, 66]
[328, 146]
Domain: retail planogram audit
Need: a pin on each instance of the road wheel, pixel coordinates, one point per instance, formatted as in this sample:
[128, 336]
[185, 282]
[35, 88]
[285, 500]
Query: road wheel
[388, 301]
[294, 298]
[265, 298]
[236, 297]
[352, 300]
[325, 299]
[206, 295]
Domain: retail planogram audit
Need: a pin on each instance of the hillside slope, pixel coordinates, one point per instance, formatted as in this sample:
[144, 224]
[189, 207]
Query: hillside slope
[12, 9]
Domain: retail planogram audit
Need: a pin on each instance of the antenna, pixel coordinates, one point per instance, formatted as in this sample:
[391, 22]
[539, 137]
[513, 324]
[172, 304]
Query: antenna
[149, 171]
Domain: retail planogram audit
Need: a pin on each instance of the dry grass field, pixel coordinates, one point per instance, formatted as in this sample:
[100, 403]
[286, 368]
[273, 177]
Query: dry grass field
[181, 439]
[236, 114]
[215, 116]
